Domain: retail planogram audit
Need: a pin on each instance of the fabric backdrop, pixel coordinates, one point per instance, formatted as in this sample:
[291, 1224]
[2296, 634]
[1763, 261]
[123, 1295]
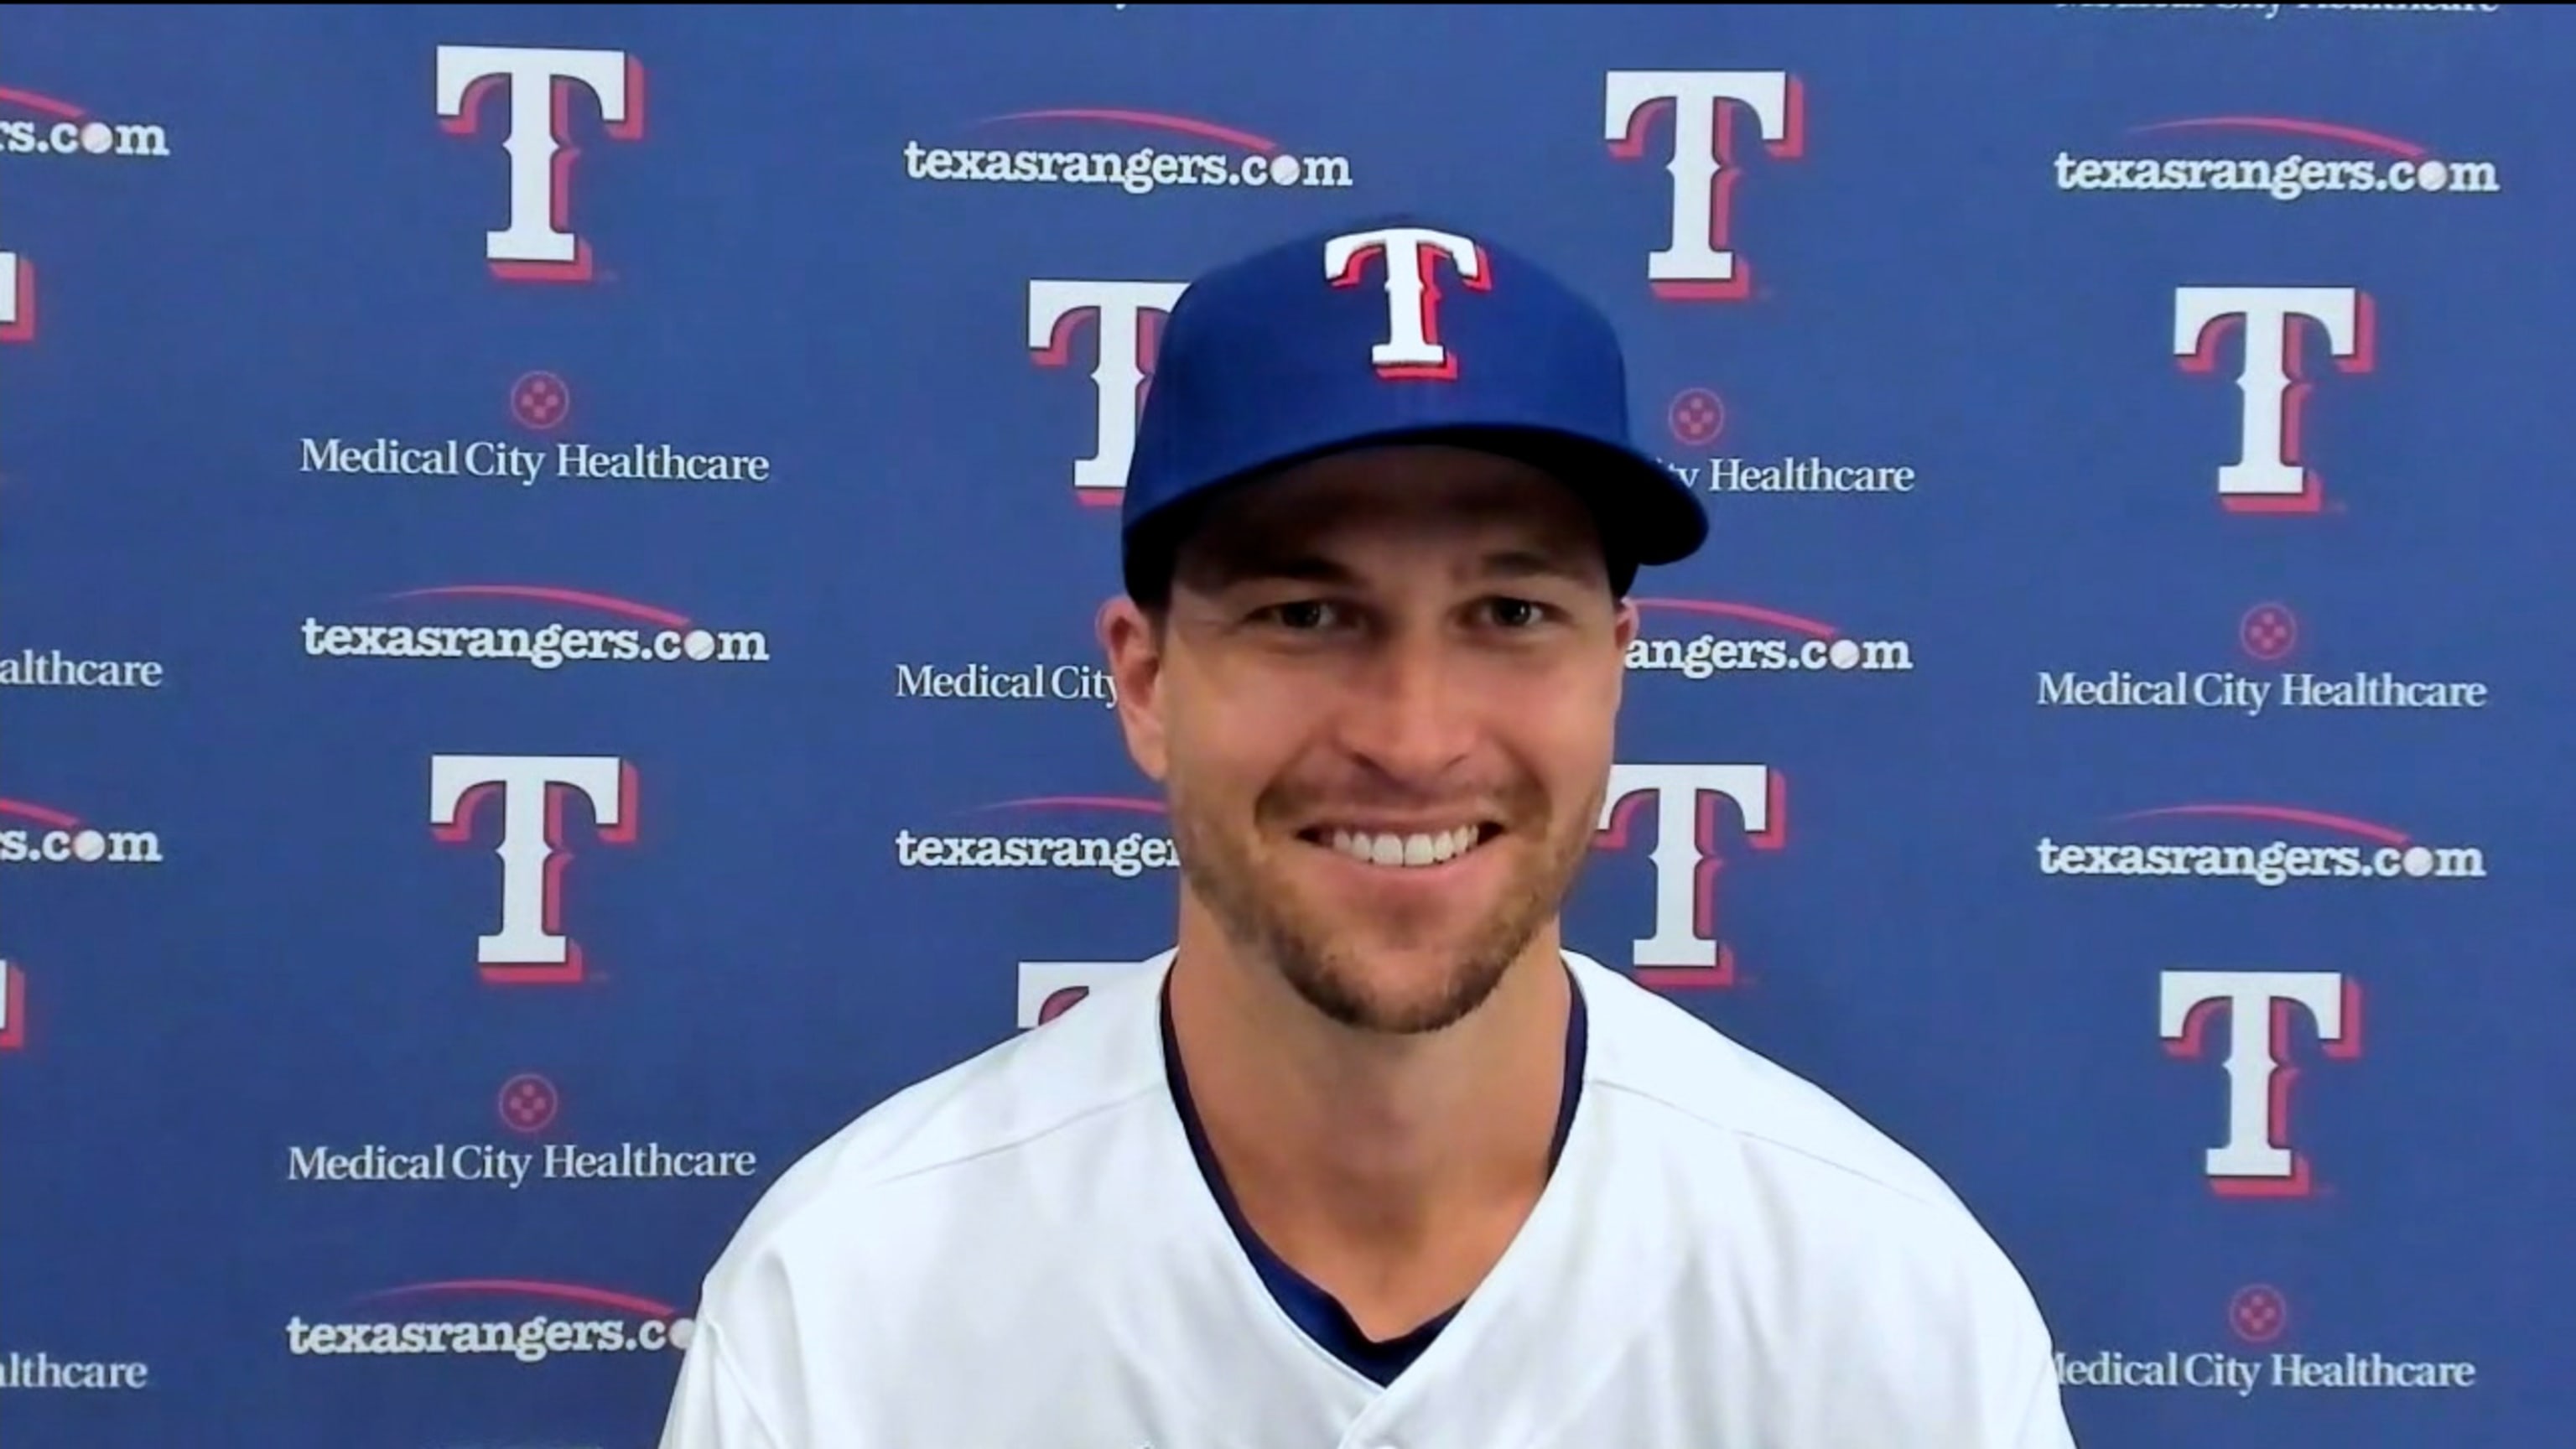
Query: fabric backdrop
[550, 555]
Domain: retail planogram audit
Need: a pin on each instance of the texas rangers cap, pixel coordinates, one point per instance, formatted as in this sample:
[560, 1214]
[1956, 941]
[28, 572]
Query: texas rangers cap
[1394, 330]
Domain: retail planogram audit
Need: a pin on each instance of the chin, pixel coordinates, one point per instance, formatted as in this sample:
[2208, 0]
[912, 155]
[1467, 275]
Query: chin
[1397, 988]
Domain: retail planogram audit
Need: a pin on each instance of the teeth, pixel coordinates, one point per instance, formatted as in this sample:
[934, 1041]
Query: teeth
[1406, 850]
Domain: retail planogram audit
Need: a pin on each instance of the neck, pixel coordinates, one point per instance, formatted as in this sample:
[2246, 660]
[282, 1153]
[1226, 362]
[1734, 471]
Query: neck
[1349, 1151]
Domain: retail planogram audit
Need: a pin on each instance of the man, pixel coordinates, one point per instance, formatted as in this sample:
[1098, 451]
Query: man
[1369, 1159]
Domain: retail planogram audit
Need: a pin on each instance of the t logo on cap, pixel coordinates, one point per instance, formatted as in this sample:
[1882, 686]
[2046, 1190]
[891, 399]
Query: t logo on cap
[1263, 364]
[1413, 348]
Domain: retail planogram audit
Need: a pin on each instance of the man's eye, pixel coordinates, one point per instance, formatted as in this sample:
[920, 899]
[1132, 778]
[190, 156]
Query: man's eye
[1518, 613]
[1303, 614]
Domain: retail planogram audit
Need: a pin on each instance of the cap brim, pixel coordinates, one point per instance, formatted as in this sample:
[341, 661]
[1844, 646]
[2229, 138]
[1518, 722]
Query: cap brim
[1646, 515]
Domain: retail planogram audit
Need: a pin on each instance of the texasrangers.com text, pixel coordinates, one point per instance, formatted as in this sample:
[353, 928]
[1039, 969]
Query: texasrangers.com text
[83, 138]
[1124, 856]
[83, 846]
[2277, 863]
[1134, 172]
[549, 646]
[2287, 178]
[1707, 656]
[529, 1340]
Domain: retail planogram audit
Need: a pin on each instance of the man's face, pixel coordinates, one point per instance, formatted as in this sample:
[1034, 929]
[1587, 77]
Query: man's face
[1384, 710]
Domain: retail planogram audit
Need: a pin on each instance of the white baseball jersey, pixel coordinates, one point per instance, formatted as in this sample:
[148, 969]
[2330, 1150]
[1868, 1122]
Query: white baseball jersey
[1022, 1252]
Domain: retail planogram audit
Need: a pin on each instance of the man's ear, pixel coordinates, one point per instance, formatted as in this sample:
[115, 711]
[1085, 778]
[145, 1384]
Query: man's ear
[1624, 624]
[1131, 643]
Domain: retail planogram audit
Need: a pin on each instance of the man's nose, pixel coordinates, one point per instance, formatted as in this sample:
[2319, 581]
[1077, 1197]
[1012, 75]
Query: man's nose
[1406, 711]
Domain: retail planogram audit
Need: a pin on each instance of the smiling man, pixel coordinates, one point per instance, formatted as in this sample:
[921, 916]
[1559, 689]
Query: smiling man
[1370, 1159]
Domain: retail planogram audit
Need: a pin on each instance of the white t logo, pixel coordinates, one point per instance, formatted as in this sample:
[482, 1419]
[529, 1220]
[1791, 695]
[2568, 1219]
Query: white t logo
[1412, 348]
[1698, 265]
[1124, 369]
[17, 298]
[13, 1007]
[2268, 475]
[1684, 950]
[535, 247]
[2257, 1160]
[530, 948]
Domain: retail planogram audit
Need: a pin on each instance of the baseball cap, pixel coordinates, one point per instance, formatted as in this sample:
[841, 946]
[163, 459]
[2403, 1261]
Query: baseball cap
[1396, 329]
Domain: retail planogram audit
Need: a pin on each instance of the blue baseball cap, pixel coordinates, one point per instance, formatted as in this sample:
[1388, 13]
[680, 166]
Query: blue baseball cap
[1387, 331]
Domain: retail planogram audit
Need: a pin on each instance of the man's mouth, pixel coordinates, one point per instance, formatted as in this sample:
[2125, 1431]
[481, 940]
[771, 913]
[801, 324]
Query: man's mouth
[1407, 848]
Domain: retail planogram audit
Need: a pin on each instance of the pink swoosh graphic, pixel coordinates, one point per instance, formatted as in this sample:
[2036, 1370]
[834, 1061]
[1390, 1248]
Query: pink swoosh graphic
[1083, 802]
[38, 813]
[47, 104]
[1753, 612]
[2288, 813]
[528, 1288]
[1205, 130]
[2290, 126]
[602, 602]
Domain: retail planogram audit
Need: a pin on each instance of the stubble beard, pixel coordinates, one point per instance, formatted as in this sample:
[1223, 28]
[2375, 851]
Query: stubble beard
[1326, 966]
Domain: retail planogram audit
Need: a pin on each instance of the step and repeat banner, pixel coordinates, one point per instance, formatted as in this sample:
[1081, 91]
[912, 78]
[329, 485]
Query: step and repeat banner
[547, 564]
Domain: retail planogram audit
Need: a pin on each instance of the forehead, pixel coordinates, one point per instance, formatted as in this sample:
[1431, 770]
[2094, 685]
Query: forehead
[1344, 505]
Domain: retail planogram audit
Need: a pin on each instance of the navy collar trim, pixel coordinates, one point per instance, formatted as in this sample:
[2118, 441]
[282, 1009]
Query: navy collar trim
[1316, 1311]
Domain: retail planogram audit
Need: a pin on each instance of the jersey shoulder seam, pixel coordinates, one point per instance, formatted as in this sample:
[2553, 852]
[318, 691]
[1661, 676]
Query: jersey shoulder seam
[876, 1176]
[1938, 1205]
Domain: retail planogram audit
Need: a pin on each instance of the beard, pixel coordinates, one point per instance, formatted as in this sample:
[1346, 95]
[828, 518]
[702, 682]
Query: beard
[1327, 961]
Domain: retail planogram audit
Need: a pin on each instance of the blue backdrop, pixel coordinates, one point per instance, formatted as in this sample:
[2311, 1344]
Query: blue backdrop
[546, 595]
